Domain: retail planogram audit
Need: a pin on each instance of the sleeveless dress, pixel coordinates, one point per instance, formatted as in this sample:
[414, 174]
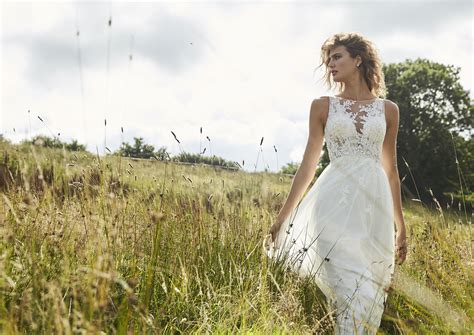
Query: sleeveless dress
[342, 231]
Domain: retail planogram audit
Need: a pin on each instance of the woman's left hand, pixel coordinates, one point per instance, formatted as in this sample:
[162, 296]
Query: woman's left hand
[401, 246]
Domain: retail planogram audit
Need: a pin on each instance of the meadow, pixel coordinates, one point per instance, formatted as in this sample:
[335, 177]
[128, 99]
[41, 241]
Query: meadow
[113, 245]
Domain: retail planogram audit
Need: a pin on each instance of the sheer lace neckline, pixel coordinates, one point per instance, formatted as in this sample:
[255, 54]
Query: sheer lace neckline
[341, 98]
[355, 128]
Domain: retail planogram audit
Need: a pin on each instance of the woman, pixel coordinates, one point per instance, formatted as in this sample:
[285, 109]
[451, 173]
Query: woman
[342, 232]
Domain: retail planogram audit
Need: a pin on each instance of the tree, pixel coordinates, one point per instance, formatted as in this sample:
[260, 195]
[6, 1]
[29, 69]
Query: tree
[45, 141]
[162, 154]
[141, 150]
[48, 142]
[209, 160]
[75, 146]
[433, 106]
[290, 168]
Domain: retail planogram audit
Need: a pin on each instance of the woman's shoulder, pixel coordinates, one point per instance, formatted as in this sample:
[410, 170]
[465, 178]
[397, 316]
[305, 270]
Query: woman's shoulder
[320, 103]
[392, 113]
[324, 98]
[388, 102]
[390, 106]
[320, 108]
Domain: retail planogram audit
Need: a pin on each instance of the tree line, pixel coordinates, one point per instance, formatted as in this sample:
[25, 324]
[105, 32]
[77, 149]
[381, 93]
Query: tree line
[138, 149]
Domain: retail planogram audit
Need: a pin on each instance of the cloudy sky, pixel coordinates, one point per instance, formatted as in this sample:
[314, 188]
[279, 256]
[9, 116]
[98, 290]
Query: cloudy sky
[241, 70]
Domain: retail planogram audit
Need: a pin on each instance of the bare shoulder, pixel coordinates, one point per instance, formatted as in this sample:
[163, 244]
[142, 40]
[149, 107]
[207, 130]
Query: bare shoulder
[391, 111]
[391, 107]
[320, 108]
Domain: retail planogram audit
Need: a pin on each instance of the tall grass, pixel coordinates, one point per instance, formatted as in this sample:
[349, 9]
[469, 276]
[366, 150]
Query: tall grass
[165, 248]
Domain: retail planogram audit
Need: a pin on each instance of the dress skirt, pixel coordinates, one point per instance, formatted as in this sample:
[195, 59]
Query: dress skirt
[342, 234]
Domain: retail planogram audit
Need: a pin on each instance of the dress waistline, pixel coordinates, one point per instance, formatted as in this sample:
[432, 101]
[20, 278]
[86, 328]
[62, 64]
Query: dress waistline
[352, 157]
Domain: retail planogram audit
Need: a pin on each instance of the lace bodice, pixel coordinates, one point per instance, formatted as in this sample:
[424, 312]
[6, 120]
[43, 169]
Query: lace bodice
[355, 128]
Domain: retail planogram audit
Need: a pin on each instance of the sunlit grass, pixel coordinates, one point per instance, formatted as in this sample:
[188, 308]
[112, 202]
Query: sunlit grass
[165, 248]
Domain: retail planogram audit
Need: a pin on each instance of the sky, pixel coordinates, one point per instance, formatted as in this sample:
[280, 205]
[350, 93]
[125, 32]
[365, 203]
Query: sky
[241, 70]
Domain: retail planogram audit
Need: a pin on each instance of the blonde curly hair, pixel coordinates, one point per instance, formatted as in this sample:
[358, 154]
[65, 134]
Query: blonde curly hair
[356, 45]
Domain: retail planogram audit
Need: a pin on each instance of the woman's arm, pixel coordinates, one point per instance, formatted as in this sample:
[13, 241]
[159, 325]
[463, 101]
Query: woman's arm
[307, 169]
[389, 161]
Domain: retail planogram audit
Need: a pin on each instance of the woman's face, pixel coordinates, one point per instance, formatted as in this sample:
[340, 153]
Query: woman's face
[341, 62]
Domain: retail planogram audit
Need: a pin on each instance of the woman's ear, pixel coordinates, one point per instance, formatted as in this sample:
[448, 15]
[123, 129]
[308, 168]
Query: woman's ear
[358, 60]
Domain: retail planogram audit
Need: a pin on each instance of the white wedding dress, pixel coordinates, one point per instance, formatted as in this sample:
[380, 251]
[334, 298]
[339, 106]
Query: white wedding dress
[342, 232]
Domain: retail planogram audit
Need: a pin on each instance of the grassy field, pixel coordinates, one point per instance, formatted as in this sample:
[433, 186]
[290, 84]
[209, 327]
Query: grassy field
[113, 245]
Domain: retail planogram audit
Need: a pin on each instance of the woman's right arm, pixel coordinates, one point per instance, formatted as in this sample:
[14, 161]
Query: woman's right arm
[307, 169]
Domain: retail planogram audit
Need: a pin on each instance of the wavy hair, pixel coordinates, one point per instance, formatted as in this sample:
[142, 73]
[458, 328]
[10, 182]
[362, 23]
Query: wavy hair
[356, 45]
